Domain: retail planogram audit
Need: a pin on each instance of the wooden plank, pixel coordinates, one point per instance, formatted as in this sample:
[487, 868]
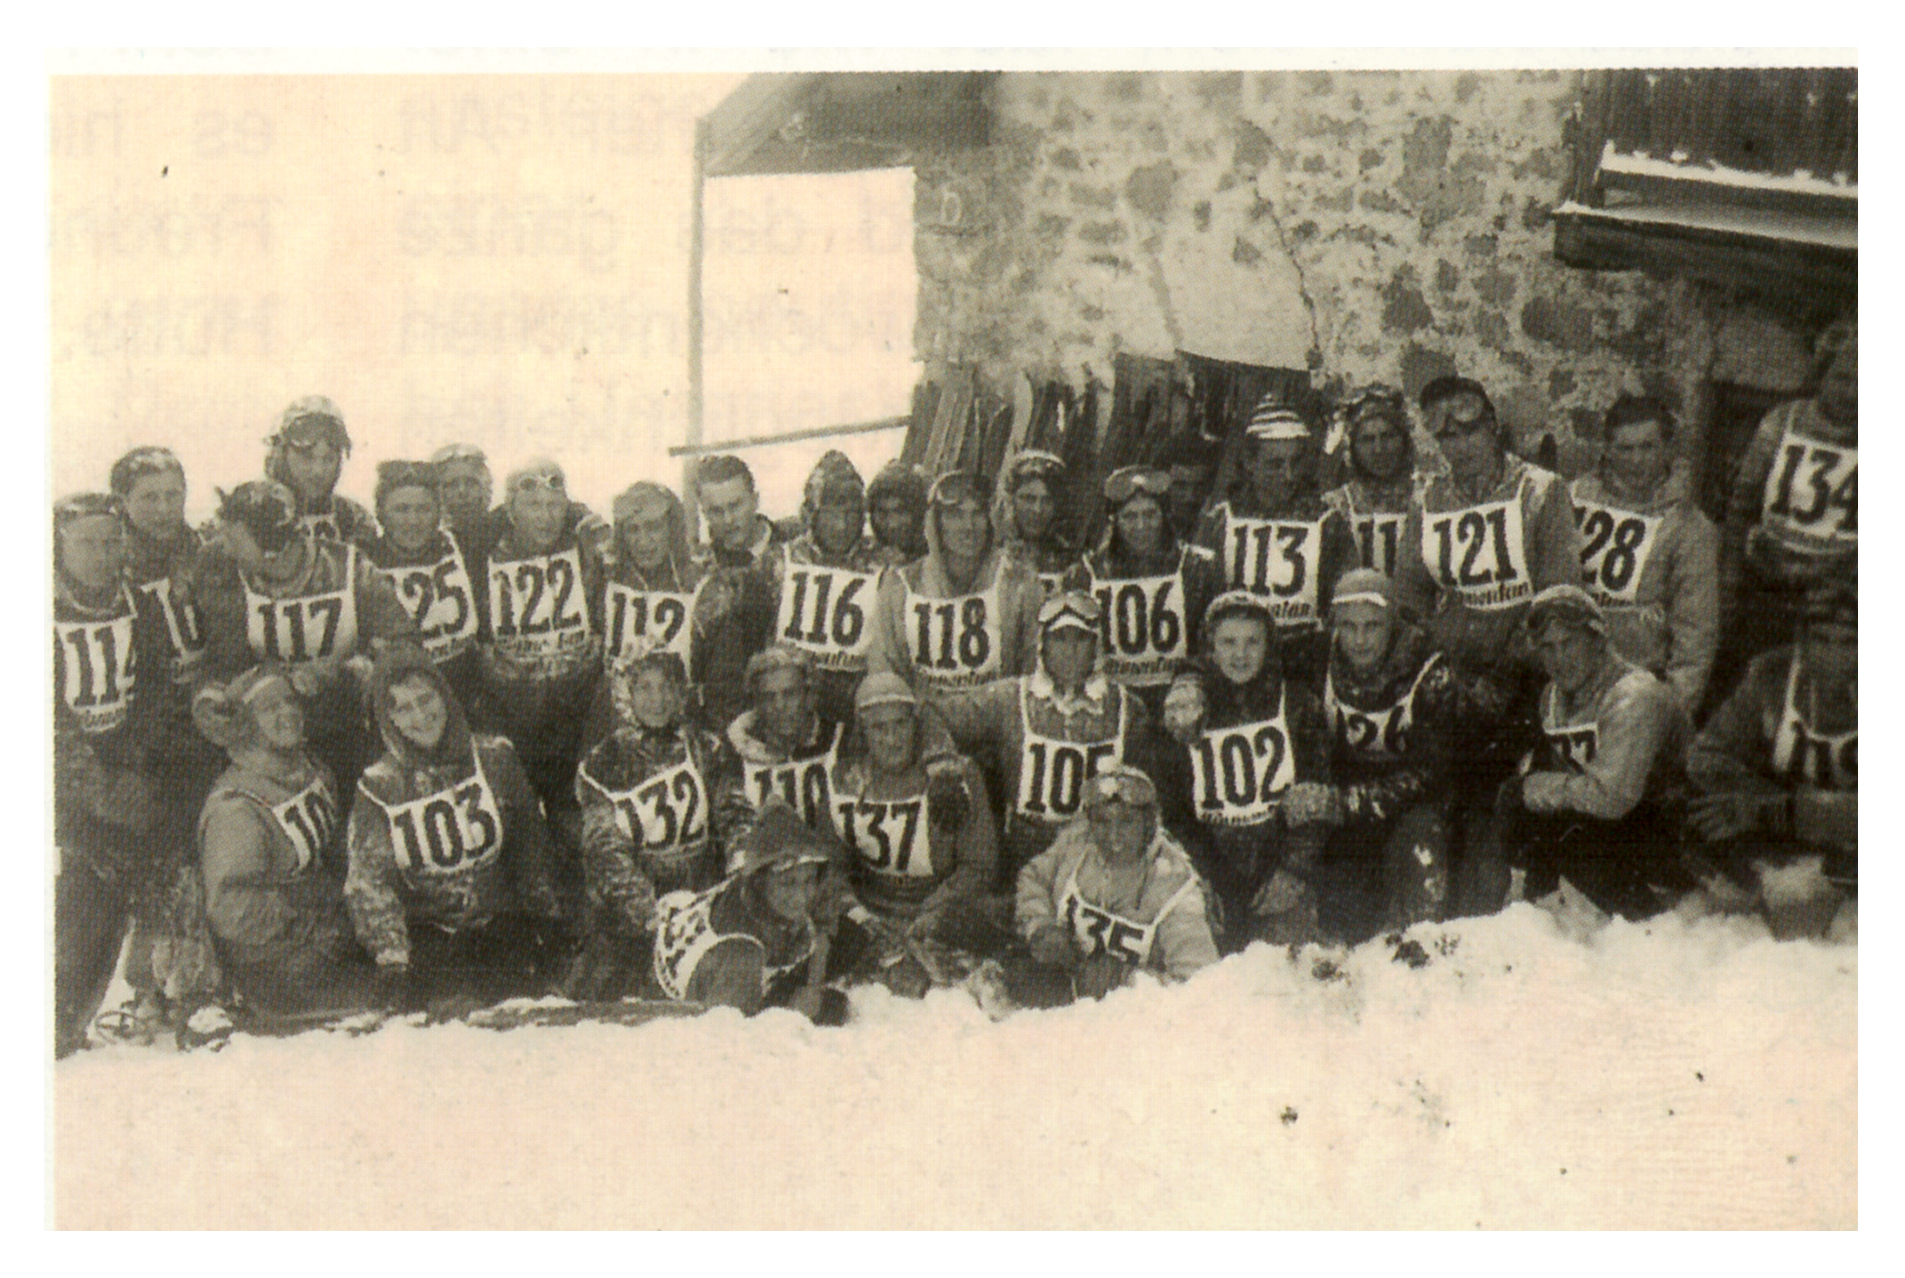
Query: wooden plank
[788, 437]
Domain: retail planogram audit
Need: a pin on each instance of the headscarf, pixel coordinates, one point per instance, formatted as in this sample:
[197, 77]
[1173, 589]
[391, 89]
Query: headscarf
[398, 663]
[222, 712]
[834, 478]
[1030, 464]
[78, 506]
[680, 552]
[311, 417]
[904, 481]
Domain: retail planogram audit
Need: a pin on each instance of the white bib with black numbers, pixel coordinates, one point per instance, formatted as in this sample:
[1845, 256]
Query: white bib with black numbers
[1811, 499]
[308, 819]
[536, 606]
[181, 619]
[96, 670]
[1141, 626]
[803, 783]
[1804, 757]
[453, 831]
[322, 526]
[1277, 560]
[1239, 773]
[1051, 583]
[956, 642]
[1479, 553]
[441, 600]
[685, 933]
[642, 621]
[1574, 745]
[823, 611]
[1615, 547]
[889, 836]
[304, 627]
[1374, 736]
[1053, 770]
[1378, 537]
[1100, 930]
[666, 815]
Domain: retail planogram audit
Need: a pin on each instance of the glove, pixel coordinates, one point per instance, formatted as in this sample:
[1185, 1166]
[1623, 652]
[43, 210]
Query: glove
[1284, 893]
[1100, 974]
[1052, 947]
[947, 802]
[1183, 710]
[1312, 803]
[393, 988]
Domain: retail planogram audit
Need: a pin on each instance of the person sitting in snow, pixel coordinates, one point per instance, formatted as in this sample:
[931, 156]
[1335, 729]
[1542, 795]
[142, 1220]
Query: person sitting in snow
[1776, 771]
[770, 934]
[1113, 894]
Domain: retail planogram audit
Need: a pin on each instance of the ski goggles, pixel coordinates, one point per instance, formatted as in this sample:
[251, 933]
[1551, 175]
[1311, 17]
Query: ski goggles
[1036, 463]
[140, 462]
[85, 505]
[1121, 785]
[1239, 603]
[1124, 484]
[1376, 400]
[1073, 610]
[1569, 605]
[957, 487]
[537, 481]
[459, 453]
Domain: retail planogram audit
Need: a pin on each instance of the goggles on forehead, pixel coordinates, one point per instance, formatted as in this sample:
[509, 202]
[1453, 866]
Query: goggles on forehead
[957, 487]
[1124, 484]
[457, 453]
[1073, 607]
[82, 505]
[1375, 398]
[1462, 413]
[1036, 461]
[547, 481]
[1126, 786]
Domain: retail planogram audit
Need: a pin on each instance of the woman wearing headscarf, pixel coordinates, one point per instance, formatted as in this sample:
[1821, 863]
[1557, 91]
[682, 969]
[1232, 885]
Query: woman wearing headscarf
[449, 882]
[1029, 517]
[272, 857]
[433, 576]
[1244, 790]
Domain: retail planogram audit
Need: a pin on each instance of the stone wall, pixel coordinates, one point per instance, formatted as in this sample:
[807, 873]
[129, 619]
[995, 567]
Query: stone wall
[1368, 226]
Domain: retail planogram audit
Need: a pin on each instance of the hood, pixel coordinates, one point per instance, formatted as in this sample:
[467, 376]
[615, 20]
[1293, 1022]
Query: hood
[933, 568]
[833, 476]
[778, 837]
[680, 547]
[1005, 519]
[904, 481]
[398, 663]
[221, 712]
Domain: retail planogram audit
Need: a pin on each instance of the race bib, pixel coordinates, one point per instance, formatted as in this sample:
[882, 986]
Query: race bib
[1808, 758]
[1574, 747]
[308, 819]
[823, 611]
[889, 837]
[1377, 540]
[1479, 554]
[1141, 627]
[536, 606]
[1811, 501]
[1372, 734]
[441, 600]
[664, 813]
[802, 783]
[1098, 930]
[449, 832]
[304, 627]
[1053, 772]
[684, 932]
[1615, 545]
[1275, 559]
[181, 619]
[954, 642]
[640, 621]
[96, 670]
[1239, 774]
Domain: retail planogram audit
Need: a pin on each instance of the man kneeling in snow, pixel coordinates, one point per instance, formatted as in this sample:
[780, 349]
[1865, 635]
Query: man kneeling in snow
[1112, 894]
[770, 933]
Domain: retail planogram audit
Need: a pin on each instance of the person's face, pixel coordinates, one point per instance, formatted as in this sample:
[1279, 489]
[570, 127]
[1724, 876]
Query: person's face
[1379, 447]
[1363, 631]
[1070, 654]
[1567, 654]
[1186, 496]
[964, 529]
[890, 730]
[417, 711]
[655, 699]
[1465, 432]
[789, 890]
[538, 514]
[464, 486]
[1832, 649]
[783, 703]
[1141, 525]
[410, 516]
[1240, 646]
[1120, 831]
[312, 467]
[647, 533]
[1278, 469]
[1839, 391]
[837, 525]
[93, 549]
[1637, 454]
[730, 507]
[279, 715]
[1032, 508]
[896, 522]
[156, 504]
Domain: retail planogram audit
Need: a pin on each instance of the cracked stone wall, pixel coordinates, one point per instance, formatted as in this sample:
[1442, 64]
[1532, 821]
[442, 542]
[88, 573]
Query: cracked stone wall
[1366, 225]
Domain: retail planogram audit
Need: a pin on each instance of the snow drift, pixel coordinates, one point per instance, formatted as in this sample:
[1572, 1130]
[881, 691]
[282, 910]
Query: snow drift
[1501, 1075]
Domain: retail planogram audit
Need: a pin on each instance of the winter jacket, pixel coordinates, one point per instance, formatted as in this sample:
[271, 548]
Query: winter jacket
[441, 588]
[1151, 914]
[1153, 612]
[934, 636]
[1653, 564]
[904, 863]
[1760, 741]
[1391, 731]
[337, 519]
[541, 652]
[750, 771]
[1292, 557]
[1378, 516]
[165, 572]
[734, 619]
[1043, 746]
[1620, 740]
[1795, 498]
[1466, 572]
[657, 817]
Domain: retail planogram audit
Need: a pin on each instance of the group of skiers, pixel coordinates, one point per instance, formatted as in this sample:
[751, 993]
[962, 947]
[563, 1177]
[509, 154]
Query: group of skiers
[320, 759]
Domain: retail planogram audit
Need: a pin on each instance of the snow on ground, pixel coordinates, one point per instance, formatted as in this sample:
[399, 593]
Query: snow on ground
[1661, 1075]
